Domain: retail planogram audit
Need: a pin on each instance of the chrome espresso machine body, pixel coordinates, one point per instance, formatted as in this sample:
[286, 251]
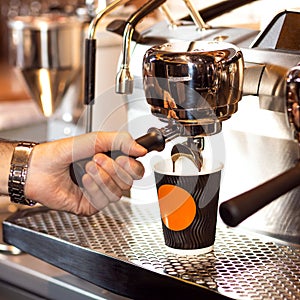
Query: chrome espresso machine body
[258, 140]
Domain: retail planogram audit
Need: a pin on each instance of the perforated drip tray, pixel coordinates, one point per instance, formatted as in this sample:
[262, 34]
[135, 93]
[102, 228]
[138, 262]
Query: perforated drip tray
[122, 249]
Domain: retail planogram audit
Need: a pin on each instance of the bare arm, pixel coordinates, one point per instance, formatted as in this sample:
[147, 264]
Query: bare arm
[48, 180]
[6, 151]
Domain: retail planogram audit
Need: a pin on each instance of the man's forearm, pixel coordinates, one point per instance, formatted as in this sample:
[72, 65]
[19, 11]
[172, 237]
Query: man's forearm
[6, 152]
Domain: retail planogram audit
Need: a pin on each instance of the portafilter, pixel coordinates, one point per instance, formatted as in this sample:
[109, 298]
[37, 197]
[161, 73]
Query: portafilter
[193, 86]
[198, 84]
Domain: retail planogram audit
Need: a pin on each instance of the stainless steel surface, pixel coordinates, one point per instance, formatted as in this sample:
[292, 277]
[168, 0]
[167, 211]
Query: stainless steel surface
[199, 84]
[171, 131]
[258, 145]
[48, 51]
[283, 22]
[89, 118]
[243, 265]
[239, 208]
[40, 279]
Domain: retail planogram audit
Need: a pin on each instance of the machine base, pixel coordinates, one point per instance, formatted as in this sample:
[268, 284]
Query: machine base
[122, 249]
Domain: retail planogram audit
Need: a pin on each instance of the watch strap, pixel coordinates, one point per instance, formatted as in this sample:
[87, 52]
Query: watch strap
[18, 173]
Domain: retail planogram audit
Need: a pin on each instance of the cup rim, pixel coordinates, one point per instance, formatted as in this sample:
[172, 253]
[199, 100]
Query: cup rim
[218, 168]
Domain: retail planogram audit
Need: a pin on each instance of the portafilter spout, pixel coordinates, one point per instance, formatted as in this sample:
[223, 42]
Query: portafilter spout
[237, 209]
[191, 149]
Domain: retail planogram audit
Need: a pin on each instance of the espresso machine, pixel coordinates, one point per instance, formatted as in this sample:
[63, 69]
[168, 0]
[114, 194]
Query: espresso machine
[202, 90]
[233, 90]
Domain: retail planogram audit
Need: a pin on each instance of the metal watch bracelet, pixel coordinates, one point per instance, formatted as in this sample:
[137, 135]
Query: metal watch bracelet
[18, 173]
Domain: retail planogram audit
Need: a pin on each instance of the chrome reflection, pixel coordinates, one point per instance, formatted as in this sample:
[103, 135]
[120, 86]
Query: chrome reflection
[293, 100]
[197, 83]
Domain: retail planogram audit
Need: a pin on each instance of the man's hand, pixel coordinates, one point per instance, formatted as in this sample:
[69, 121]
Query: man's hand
[49, 182]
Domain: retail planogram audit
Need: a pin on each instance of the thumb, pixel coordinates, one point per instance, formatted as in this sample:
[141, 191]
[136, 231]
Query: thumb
[120, 141]
[87, 145]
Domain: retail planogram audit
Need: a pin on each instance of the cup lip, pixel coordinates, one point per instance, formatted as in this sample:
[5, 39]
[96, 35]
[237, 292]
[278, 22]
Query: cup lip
[197, 251]
[219, 167]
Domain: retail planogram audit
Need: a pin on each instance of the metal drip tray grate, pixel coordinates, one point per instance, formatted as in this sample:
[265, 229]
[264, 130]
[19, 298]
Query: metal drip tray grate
[122, 249]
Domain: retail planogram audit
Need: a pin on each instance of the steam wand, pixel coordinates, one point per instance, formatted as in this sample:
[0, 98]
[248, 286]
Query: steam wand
[90, 51]
[124, 78]
[90, 61]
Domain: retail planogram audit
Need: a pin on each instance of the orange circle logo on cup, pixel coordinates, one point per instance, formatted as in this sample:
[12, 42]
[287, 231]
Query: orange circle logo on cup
[177, 207]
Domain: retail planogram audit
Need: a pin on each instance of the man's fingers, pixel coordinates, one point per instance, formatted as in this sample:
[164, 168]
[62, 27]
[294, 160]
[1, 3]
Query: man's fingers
[133, 167]
[107, 167]
[88, 145]
[99, 196]
[121, 141]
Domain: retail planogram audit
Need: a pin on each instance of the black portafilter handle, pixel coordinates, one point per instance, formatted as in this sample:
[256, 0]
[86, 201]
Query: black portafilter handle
[237, 209]
[153, 140]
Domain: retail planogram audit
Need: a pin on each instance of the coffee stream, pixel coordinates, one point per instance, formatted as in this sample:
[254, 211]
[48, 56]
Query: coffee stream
[176, 156]
[189, 150]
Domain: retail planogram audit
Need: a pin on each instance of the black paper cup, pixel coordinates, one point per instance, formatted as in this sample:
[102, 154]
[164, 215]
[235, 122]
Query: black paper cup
[188, 207]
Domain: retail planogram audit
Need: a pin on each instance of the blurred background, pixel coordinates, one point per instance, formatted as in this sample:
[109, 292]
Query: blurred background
[255, 15]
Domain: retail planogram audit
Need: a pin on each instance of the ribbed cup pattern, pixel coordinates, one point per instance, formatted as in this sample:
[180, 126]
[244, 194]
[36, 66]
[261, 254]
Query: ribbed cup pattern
[205, 191]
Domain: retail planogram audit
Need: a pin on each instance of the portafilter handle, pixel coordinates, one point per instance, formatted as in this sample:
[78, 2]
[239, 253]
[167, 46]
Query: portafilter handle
[155, 139]
[237, 209]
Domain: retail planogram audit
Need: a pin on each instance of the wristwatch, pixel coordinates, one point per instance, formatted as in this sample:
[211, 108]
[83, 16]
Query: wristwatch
[18, 173]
